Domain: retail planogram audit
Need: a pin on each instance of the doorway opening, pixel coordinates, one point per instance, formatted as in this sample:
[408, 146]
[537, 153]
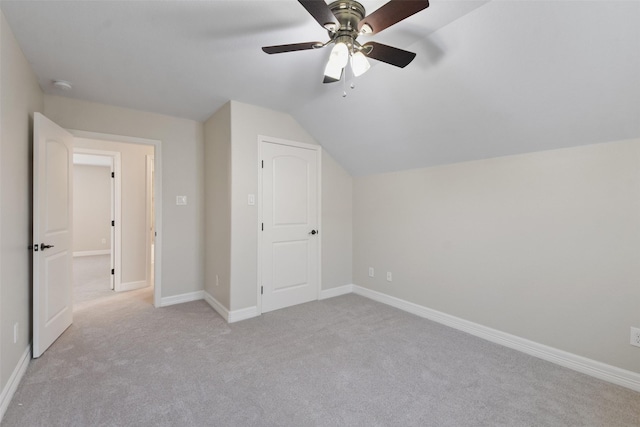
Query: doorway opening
[136, 219]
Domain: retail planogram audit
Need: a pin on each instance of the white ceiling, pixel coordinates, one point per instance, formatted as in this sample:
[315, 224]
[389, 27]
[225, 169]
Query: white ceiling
[490, 79]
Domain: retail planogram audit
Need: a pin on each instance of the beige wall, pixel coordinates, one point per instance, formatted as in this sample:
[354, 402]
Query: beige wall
[544, 246]
[20, 97]
[337, 224]
[247, 122]
[217, 153]
[91, 208]
[133, 205]
[182, 174]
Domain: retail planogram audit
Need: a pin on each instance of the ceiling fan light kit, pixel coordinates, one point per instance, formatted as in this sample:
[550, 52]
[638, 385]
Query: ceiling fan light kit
[344, 21]
[359, 64]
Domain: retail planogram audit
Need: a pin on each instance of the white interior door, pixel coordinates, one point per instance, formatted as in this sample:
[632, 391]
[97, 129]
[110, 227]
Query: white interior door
[290, 239]
[52, 232]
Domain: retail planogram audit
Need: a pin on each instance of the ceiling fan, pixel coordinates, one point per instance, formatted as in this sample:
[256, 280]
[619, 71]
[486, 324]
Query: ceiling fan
[345, 20]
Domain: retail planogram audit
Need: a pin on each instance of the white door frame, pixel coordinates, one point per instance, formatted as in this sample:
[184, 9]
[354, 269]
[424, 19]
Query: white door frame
[116, 213]
[267, 139]
[149, 208]
[157, 144]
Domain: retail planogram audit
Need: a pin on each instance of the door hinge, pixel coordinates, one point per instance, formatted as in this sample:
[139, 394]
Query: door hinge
[113, 223]
[113, 271]
[263, 226]
[261, 290]
[263, 164]
[113, 174]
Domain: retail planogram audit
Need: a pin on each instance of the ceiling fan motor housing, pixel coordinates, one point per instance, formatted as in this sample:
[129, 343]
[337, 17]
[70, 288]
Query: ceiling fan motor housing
[348, 14]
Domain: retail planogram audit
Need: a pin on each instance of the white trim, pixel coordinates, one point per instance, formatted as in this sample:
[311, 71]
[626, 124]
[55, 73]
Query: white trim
[262, 139]
[336, 292]
[132, 286]
[259, 229]
[92, 253]
[149, 208]
[157, 145]
[112, 137]
[179, 299]
[217, 306]
[231, 316]
[243, 314]
[14, 380]
[572, 361]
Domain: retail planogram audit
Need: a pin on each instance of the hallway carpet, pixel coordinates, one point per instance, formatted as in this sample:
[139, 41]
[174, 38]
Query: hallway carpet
[91, 277]
[345, 361]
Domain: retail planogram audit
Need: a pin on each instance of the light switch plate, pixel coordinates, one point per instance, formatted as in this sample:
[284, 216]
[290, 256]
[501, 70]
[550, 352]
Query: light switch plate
[181, 200]
[251, 199]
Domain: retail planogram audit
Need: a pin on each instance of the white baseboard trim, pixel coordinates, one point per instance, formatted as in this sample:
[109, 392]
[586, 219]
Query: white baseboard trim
[217, 306]
[179, 299]
[92, 253]
[233, 315]
[336, 292]
[132, 286]
[14, 380]
[243, 314]
[581, 364]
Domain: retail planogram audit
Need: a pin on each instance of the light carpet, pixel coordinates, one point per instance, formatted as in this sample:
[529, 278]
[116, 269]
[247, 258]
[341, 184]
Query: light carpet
[91, 277]
[345, 361]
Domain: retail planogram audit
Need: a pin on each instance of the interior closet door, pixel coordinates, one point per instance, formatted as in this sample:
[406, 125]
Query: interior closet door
[290, 238]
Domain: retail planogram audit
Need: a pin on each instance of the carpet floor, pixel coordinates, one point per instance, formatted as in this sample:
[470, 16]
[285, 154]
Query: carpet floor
[91, 277]
[345, 361]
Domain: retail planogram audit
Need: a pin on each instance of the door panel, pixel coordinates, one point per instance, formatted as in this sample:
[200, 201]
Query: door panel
[290, 253]
[56, 277]
[290, 191]
[290, 266]
[52, 219]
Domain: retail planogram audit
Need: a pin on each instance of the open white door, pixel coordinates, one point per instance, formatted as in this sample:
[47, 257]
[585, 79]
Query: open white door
[52, 226]
[290, 240]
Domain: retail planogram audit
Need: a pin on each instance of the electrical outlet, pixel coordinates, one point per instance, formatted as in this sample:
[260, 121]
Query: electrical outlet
[15, 333]
[104, 241]
[635, 336]
[389, 277]
[371, 271]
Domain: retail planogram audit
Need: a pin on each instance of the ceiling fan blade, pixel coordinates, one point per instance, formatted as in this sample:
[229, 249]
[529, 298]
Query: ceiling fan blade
[291, 47]
[391, 13]
[321, 13]
[389, 54]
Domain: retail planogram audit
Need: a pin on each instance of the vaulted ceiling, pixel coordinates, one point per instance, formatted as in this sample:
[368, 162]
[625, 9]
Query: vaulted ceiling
[490, 78]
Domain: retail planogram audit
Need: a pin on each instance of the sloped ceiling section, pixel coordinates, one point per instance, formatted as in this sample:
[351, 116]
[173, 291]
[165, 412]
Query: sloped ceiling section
[490, 79]
[510, 77]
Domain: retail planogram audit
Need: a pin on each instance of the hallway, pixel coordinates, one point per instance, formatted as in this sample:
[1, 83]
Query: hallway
[91, 276]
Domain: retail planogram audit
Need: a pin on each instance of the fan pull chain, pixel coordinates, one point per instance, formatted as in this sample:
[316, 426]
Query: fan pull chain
[352, 85]
[344, 84]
